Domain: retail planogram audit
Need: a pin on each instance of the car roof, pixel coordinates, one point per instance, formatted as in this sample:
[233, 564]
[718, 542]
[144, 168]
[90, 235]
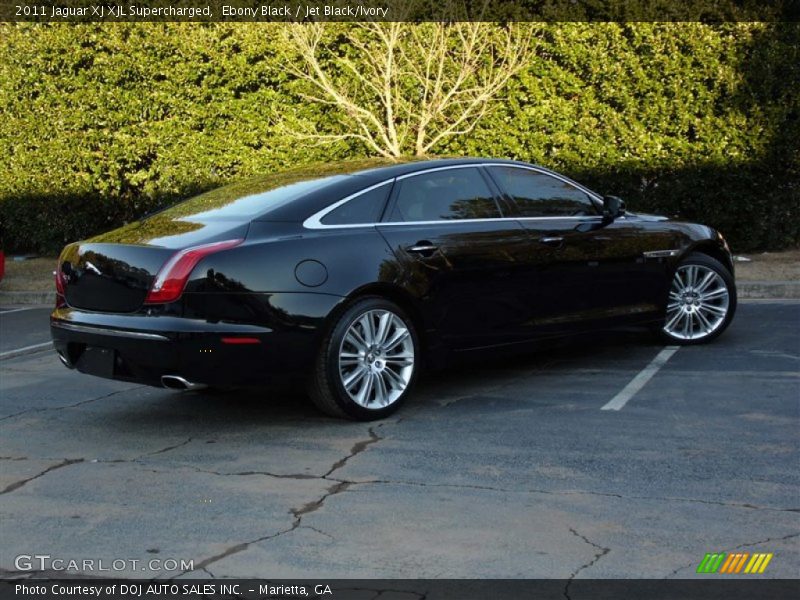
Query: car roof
[294, 194]
[405, 166]
[350, 177]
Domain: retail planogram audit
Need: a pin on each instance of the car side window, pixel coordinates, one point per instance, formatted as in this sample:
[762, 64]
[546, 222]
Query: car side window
[449, 194]
[364, 208]
[541, 195]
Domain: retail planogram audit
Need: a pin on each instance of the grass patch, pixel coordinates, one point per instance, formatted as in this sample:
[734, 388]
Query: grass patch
[770, 266]
[31, 275]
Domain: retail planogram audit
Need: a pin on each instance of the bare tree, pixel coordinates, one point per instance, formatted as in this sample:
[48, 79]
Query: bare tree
[403, 87]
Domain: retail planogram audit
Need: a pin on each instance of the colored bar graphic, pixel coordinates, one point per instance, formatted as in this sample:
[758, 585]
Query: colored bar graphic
[755, 562]
[734, 563]
[711, 562]
[741, 562]
[727, 564]
[767, 558]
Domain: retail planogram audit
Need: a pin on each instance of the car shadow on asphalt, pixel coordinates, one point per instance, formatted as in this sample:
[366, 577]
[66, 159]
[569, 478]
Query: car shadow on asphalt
[580, 351]
[286, 402]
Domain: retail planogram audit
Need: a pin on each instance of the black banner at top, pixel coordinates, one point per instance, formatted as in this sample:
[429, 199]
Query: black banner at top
[75, 11]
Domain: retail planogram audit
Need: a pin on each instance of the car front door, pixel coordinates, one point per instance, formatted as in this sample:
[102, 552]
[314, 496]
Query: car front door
[586, 269]
[457, 254]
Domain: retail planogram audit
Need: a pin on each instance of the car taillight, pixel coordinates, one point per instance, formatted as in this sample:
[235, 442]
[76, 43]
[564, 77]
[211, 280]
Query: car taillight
[59, 280]
[60, 289]
[171, 279]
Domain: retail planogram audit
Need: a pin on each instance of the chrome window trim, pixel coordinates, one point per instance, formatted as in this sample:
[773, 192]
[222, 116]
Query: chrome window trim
[454, 221]
[315, 220]
[139, 335]
[447, 168]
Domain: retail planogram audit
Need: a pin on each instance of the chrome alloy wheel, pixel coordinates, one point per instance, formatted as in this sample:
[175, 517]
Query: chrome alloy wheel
[376, 359]
[698, 303]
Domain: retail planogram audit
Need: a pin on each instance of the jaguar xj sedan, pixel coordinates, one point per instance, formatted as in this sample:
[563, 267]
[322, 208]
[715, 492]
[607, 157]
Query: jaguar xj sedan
[355, 276]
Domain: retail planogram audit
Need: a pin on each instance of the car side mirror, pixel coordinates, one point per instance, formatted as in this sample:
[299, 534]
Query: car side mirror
[613, 207]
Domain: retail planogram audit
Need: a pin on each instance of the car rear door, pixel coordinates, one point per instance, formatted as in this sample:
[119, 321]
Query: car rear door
[457, 254]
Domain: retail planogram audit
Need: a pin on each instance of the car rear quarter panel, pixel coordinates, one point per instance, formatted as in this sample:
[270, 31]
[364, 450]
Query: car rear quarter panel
[286, 277]
[276, 260]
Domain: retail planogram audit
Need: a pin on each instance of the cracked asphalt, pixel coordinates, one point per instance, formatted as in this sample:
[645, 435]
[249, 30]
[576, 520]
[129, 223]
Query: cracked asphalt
[503, 468]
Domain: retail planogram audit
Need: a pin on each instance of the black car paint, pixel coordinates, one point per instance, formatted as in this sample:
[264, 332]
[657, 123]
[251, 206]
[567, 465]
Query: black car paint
[489, 283]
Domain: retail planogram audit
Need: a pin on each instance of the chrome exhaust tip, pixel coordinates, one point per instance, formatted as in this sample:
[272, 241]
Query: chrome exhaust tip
[176, 382]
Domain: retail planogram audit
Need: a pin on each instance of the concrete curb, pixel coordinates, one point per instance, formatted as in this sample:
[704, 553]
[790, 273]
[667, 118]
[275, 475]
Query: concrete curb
[14, 298]
[768, 289]
[746, 289]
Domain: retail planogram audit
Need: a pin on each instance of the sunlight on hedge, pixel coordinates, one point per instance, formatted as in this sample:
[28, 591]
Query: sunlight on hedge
[103, 123]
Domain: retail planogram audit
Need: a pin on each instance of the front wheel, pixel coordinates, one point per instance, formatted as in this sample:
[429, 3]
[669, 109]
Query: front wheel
[368, 363]
[701, 302]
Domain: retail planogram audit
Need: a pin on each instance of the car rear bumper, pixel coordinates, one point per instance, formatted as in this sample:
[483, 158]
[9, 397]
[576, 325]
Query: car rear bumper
[143, 349]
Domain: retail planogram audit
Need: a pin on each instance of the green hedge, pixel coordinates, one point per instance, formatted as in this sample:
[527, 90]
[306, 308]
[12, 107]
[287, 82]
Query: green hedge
[103, 123]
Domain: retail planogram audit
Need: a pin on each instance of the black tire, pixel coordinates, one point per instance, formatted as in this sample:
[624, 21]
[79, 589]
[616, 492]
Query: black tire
[705, 263]
[326, 387]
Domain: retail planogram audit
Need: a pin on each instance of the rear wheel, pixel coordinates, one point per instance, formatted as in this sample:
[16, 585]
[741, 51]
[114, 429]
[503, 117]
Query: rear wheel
[368, 363]
[701, 302]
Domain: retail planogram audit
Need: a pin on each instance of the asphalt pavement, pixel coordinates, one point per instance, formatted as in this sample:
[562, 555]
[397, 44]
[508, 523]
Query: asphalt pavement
[504, 468]
[23, 329]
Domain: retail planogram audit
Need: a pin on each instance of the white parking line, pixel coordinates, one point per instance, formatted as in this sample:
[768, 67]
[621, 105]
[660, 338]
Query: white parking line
[638, 382]
[8, 311]
[25, 350]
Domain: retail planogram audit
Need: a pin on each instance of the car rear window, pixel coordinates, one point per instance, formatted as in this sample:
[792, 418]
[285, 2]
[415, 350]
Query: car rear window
[249, 198]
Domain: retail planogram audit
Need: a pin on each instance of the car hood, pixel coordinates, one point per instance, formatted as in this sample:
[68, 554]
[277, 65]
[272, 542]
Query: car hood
[647, 217]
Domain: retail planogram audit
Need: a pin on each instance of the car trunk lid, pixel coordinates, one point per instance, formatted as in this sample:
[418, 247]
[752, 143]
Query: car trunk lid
[113, 272]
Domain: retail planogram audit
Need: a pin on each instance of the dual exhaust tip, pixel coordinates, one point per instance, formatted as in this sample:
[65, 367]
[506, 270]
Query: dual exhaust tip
[176, 382]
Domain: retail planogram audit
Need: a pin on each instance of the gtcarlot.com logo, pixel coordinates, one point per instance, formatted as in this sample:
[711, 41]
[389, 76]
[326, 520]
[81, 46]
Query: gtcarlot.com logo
[735, 563]
[46, 562]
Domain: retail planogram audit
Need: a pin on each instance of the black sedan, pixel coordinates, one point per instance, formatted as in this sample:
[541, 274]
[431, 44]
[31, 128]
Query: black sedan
[357, 274]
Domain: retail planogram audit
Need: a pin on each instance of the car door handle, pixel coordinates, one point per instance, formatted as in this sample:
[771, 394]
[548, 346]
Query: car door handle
[552, 241]
[423, 248]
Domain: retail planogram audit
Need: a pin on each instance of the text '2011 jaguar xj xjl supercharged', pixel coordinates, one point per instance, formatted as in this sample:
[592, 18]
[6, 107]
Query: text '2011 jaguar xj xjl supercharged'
[355, 276]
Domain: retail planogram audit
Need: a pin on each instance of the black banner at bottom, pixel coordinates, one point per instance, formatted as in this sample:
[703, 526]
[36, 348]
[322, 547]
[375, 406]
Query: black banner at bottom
[399, 589]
